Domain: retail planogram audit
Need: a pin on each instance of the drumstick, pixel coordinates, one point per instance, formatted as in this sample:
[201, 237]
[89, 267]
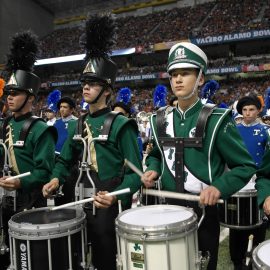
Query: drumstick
[133, 168]
[250, 244]
[114, 193]
[173, 195]
[18, 176]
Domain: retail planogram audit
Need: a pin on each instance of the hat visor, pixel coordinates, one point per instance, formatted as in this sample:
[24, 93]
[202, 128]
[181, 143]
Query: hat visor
[181, 65]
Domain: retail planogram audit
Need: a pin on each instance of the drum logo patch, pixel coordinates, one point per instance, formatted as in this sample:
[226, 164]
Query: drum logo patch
[136, 256]
[23, 256]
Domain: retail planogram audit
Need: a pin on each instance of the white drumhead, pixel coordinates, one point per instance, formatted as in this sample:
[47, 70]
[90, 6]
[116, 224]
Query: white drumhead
[264, 253]
[156, 216]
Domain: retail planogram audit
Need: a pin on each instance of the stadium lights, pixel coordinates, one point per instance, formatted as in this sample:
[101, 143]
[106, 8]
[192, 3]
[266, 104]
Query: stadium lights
[79, 57]
[62, 59]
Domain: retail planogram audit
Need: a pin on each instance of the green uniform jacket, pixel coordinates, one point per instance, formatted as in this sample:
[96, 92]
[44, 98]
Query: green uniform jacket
[122, 144]
[263, 180]
[223, 148]
[37, 154]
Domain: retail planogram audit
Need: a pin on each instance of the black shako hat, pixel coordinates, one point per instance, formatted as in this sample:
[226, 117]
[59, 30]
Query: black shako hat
[20, 63]
[98, 39]
[248, 100]
[67, 100]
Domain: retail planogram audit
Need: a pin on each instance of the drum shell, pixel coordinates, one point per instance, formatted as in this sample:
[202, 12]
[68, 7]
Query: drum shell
[50, 235]
[168, 241]
[241, 211]
[259, 263]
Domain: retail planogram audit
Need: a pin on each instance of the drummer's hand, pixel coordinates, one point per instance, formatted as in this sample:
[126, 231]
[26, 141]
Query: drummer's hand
[49, 188]
[149, 178]
[10, 184]
[209, 196]
[103, 201]
[266, 206]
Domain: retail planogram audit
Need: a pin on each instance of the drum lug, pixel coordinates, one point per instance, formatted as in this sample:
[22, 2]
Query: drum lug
[3, 247]
[204, 260]
[119, 263]
[143, 236]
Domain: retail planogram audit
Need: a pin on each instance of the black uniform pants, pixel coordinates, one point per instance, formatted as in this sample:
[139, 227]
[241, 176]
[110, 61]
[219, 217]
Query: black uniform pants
[101, 228]
[102, 237]
[238, 242]
[208, 232]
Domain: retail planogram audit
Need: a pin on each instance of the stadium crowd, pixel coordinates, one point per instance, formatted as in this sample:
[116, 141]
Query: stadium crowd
[213, 18]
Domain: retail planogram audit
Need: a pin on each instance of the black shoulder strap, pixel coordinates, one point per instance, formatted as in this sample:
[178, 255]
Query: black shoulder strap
[202, 119]
[3, 127]
[108, 122]
[79, 128]
[161, 121]
[27, 126]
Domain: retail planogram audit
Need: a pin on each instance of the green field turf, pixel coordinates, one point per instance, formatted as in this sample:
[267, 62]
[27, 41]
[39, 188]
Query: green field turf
[224, 262]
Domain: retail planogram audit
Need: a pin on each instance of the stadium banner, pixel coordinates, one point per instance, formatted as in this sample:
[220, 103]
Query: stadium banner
[254, 34]
[224, 70]
[75, 82]
[125, 78]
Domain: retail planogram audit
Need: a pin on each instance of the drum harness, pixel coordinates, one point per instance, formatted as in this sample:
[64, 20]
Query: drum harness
[180, 143]
[81, 191]
[7, 167]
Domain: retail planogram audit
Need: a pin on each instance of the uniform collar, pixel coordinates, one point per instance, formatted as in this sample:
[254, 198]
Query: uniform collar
[23, 117]
[191, 110]
[100, 112]
[256, 122]
[66, 119]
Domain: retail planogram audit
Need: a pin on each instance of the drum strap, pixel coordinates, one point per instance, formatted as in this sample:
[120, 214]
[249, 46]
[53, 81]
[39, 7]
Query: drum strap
[108, 123]
[181, 143]
[27, 126]
[111, 116]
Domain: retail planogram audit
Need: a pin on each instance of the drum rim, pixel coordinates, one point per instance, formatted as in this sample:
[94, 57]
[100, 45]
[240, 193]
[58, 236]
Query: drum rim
[50, 230]
[245, 193]
[241, 227]
[256, 259]
[166, 231]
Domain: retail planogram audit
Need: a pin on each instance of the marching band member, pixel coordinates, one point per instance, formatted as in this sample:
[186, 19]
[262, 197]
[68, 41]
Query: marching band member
[36, 155]
[66, 107]
[51, 110]
[124, 106]
[256, 138]
[107, 157]
[190, 155]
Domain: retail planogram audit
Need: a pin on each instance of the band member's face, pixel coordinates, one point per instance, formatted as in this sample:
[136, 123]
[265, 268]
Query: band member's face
[250, 113]
[183, 81]
[15, 100]
[65, 110]
[50, 115]
[90, 91]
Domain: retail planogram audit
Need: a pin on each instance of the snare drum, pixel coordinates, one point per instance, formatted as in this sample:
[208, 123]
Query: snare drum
[160, 237]
[48, 240]
[261, 256]
[241, 210]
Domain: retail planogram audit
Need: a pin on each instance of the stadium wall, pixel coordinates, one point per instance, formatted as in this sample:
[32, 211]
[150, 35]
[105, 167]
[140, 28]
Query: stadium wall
[22, 15]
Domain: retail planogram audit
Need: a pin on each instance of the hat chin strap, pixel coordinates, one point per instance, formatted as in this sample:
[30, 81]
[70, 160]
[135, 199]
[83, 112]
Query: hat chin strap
[26, 99]
[194, 88]
[98, 96]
